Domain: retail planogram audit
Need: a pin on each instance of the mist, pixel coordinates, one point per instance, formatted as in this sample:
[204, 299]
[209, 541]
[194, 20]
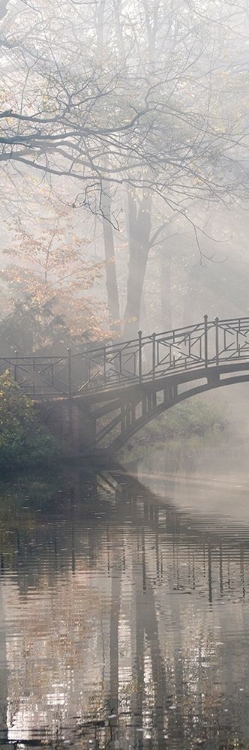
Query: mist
[124, 137]
[124, 368]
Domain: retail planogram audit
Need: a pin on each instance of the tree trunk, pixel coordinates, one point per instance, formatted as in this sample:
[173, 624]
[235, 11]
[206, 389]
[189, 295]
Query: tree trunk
[139, 226]
[165, 284]
[110, 263]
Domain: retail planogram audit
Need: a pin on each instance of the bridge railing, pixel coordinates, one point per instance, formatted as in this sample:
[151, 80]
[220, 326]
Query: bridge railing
[49, 377]
[37, 375]
[203, 345]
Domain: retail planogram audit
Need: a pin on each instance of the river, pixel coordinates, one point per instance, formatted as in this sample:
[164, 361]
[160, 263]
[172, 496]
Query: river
[124, 606]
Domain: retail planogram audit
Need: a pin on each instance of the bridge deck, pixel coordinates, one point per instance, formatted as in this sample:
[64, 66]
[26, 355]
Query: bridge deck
[124, 385]
[125, 364]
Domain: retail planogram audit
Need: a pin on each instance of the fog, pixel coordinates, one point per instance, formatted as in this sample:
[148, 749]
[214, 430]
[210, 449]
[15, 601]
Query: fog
[124, 171]
[124, 266]
[124, 155]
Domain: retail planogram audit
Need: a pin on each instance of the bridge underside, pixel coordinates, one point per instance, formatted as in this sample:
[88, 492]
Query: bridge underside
[99, 398]
[113, 418]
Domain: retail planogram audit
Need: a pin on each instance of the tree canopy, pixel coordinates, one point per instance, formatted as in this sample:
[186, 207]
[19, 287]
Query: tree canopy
[127, 109]
[129, 93]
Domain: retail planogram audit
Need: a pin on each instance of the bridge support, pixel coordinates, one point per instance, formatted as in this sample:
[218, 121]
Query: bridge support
[83, 429]
[99, 398]
[71, 423]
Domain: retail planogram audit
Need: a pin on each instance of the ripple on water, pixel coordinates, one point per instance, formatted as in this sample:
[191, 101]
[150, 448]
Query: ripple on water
[124, 621]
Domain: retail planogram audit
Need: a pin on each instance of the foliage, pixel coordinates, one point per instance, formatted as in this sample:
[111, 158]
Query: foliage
[30, 326]
[50, 267]
[101, 96]
[190, 418]
[179, 436]
[23, 441]
[195, 417]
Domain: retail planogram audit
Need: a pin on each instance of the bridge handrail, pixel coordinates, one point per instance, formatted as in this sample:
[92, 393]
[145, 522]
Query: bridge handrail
[144, 358]
[87, 353]
[169, 333]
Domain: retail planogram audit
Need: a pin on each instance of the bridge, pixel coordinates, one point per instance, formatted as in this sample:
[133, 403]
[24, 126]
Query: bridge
[108, 393]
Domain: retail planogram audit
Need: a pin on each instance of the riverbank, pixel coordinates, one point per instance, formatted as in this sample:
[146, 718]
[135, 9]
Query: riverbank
[27, 443]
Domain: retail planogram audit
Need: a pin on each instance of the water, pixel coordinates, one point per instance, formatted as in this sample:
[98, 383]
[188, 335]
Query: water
[124, 614]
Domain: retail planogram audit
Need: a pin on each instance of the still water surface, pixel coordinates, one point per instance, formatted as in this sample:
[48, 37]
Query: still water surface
[124, 609]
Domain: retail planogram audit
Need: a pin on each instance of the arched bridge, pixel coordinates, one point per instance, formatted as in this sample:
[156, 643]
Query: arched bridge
[112, 391]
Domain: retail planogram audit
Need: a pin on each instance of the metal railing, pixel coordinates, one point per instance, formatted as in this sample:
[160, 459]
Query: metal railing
[208, 343]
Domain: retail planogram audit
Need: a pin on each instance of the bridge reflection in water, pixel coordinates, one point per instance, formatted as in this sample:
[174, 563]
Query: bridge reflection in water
[126, 623]
[109, 393]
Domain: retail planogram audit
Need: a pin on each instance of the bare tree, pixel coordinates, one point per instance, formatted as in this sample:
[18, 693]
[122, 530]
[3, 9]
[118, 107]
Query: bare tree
[131, 99]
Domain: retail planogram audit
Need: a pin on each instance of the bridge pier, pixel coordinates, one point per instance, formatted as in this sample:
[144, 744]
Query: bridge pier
[82, 429]
[170, 393]
[72, 425]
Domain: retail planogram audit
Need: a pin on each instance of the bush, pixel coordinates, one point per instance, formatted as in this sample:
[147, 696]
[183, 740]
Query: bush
[195, 417]
[185, 420]
[23, 441]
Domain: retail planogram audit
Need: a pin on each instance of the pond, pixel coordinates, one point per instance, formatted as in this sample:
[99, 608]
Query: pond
[124, 607]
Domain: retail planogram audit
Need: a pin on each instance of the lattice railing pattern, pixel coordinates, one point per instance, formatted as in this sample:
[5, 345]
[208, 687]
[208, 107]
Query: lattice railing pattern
[145, 358]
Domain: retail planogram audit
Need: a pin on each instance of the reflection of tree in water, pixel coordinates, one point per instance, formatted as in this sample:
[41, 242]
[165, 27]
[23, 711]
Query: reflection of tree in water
[117, 631]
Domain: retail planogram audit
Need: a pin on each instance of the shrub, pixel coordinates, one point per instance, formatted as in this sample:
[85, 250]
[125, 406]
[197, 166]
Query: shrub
[23, 441]
[187, 419]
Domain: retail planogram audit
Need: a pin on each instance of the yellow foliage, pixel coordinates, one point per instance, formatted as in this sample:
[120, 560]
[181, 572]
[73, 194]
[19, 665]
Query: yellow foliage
[50, 264]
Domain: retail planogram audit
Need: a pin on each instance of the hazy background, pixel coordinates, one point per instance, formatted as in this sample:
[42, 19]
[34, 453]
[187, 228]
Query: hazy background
[124, 180]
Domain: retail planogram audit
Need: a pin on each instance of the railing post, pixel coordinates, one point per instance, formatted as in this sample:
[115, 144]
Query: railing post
[206, 339]
[16, 367]
[217, 340]
[140, 368]
[153, 355]
[70, 388]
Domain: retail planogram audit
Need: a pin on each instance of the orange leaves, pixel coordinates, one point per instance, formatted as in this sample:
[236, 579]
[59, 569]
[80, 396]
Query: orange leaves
[51, 267]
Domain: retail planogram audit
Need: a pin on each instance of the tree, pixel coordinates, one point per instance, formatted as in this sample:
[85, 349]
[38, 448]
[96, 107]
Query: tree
[135, 104]
[48, 270]
[202, 164]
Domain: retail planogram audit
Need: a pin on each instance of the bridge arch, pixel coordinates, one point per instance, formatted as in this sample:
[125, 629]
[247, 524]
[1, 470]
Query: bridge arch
[173, 399]
[110, 392]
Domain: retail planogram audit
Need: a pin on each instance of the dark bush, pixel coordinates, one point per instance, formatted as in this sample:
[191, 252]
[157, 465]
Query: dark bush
[23, 441]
